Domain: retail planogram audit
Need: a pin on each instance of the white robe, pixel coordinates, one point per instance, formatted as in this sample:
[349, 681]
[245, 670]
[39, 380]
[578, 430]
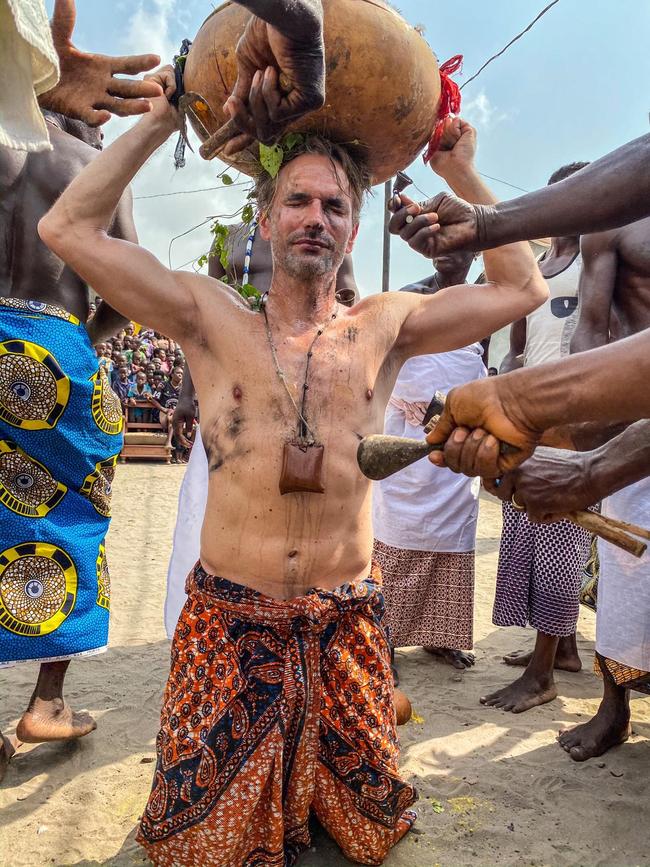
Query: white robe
[623, 617]
[192, 500]
[30, 66]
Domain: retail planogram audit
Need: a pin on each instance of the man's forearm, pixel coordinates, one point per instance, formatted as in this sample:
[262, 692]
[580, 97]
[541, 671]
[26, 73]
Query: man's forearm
[583, 387]
[292, 17]
[512, 265]
[610, 192]
[621, 461]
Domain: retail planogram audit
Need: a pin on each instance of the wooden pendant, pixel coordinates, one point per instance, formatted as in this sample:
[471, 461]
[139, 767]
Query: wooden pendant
[302, 468]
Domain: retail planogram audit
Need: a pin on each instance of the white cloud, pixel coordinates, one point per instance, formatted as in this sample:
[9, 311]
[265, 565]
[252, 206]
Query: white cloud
[148, 29]
[481, 113]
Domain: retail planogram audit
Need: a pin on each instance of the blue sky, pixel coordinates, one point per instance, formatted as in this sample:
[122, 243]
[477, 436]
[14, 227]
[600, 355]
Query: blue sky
[573, 88]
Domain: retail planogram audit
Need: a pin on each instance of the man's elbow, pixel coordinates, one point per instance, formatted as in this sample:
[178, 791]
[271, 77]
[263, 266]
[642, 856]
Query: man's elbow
[52, 233]
[536, 292]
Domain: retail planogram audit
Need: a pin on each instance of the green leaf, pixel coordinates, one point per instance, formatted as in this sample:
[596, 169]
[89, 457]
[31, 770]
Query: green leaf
[202, 260]
[226, 179]
[248, 213]
[291, 140]
[437, 806]
[271, 158]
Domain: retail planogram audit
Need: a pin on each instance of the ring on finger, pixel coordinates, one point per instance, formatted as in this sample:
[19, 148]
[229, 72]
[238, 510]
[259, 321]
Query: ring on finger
[410, 218]
[517, 505]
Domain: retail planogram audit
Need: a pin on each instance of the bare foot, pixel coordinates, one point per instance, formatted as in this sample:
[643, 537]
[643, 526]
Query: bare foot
[53, 721]
[524, 693]
[8, 746]
[566, 656]
[591, 739]
[456, 658]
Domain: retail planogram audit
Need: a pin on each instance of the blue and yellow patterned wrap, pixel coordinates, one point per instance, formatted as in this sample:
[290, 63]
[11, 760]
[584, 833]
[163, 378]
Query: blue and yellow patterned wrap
[60, 437]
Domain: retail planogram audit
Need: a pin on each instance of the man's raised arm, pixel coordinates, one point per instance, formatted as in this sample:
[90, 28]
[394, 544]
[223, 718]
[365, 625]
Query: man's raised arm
[128, 277]
[463, 314]
[608, 193]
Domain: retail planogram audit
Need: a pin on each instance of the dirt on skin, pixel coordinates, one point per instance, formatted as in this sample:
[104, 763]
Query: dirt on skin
[495, 788]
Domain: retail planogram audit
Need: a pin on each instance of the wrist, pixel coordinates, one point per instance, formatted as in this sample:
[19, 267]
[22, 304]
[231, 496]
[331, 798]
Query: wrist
[157, 128]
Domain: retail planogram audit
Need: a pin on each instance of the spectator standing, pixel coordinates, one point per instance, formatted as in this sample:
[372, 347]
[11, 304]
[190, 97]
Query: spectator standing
[425, 518]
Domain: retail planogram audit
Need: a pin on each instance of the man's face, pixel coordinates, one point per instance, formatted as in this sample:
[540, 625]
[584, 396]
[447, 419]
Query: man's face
[177, 376]
[454, 265]
[310, 224]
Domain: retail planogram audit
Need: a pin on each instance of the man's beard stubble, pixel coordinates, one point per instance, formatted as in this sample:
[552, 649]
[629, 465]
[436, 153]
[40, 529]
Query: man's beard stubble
[303, 266]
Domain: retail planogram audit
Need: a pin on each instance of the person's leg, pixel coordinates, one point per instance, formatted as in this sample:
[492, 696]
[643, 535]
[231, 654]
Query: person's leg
[48, 716]
[536, 685]
[567, 657]
[360, 799]
[456, 658]
[610, 726]
[452, 628]
[8, 746]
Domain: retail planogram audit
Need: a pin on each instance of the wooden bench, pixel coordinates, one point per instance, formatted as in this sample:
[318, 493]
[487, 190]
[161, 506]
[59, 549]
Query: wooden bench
[144, 439]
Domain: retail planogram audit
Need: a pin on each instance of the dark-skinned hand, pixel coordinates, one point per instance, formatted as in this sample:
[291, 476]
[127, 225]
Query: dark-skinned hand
[548, 485]
[440, 225]
[280, 77]
[88, 89]
[476, 419]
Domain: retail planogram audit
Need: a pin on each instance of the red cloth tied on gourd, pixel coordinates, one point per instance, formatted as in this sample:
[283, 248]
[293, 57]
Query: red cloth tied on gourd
[449, 102]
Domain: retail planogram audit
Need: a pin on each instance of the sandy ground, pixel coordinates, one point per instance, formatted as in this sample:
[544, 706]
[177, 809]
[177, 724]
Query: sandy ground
[494, 788]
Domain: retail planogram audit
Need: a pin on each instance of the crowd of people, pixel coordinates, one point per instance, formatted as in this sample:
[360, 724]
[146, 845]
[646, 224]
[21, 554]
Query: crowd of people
[281, 698]
[145, 370]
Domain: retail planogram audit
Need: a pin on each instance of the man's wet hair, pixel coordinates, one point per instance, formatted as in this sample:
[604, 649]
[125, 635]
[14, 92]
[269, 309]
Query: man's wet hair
[565, 172]
[354, 169]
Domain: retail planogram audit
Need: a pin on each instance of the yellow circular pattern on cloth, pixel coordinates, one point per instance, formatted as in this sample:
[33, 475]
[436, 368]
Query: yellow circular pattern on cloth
[26, 486]
[34, 390]
[38, 588]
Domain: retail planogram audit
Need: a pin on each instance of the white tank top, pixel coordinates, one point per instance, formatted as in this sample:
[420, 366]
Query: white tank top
[549, 328]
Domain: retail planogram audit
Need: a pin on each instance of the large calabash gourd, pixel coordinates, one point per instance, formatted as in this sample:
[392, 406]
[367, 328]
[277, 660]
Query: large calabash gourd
[383, 84]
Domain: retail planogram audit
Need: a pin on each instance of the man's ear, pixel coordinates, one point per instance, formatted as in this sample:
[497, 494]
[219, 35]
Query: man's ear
[265, 228]
[352, 238]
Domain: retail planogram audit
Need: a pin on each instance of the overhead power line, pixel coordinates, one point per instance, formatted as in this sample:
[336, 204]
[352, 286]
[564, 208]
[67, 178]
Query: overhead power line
[506, 47]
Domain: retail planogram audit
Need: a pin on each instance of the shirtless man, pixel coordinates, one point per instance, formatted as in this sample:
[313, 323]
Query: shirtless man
[43, 302]
[615, 287]
[193, 493]
[280, 694]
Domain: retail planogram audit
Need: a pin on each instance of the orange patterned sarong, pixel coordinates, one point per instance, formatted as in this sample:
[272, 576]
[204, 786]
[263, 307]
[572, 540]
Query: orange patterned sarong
[274, 708]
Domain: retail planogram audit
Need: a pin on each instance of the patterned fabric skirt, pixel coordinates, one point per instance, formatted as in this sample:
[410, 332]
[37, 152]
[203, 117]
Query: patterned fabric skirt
[429, 596]
[60, 437]
[539, 574]
[274, 708]
[623, 675]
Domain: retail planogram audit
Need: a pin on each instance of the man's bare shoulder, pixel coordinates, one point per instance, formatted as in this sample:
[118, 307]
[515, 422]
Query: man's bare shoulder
[599, 242]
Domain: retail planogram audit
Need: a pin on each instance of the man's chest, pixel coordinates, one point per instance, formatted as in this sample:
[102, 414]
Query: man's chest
[340, 381]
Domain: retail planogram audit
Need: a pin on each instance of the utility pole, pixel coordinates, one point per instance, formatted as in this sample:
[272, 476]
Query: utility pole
[385, 276]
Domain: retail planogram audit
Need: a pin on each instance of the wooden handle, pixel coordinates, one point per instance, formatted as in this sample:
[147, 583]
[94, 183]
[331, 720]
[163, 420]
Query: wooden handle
[212, 145]
[608, 530]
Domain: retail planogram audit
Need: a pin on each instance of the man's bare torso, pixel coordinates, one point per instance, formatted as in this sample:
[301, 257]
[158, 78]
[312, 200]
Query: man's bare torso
[284, 545]
[631, 299]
